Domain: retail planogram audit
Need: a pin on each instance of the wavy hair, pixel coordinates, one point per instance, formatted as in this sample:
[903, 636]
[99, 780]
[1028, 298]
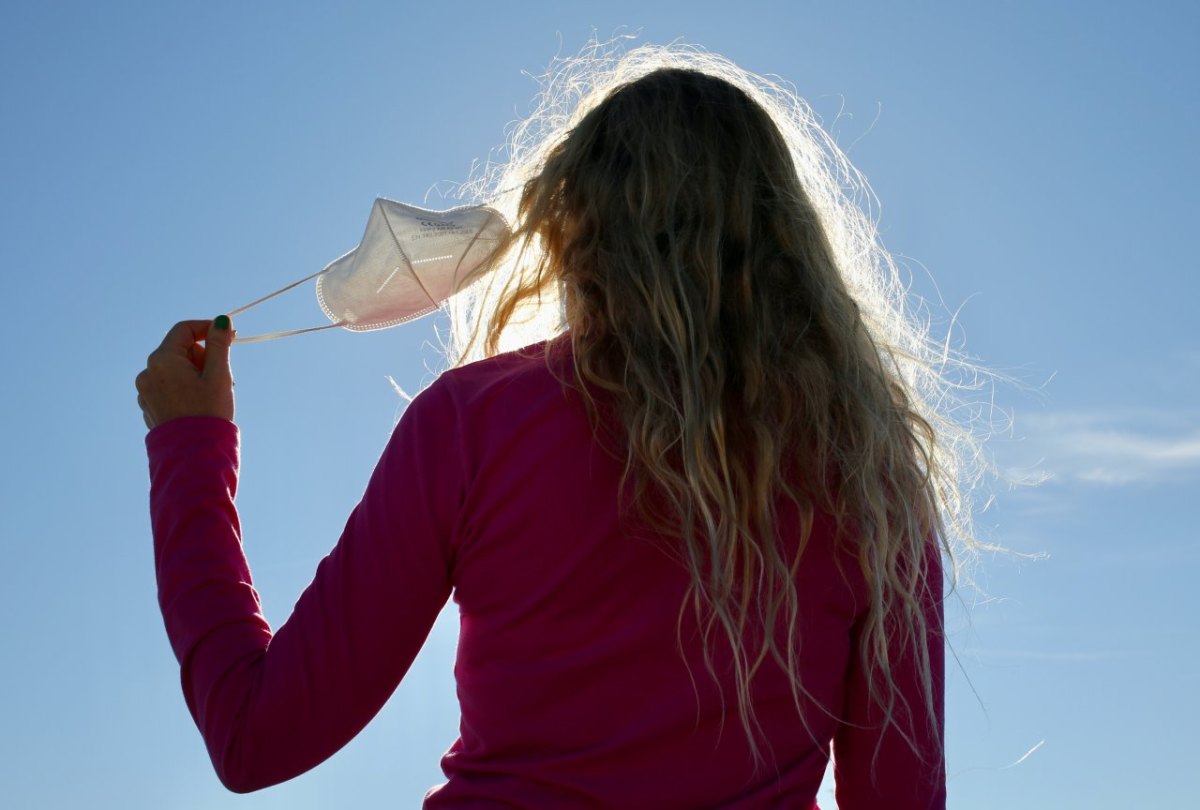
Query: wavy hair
[706, 245]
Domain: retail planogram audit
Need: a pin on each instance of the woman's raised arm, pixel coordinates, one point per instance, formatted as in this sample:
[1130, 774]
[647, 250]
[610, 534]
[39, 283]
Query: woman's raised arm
[272, 706]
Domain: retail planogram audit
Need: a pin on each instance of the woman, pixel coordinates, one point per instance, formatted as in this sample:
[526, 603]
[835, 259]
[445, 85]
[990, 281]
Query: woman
[694, 536]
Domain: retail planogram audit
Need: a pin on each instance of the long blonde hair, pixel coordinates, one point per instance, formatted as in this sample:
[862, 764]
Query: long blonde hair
[714, 257]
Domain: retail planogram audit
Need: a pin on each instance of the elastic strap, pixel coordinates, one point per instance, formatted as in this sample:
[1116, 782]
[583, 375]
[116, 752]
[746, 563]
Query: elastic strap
[269, 296]
[273, 335]
[289, 333]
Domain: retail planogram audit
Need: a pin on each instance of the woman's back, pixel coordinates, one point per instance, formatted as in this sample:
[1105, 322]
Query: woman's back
[569, 672]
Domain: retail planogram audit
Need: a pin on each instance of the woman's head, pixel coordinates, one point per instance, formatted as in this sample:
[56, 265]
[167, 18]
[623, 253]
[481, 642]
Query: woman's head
[703, 241]
[668, 147]
[695, 274]
[662, 213]
[671, 160]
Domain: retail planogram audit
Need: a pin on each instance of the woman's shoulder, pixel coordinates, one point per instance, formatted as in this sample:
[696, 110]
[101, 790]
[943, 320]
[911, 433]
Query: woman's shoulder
[484, 404]
[508, 374]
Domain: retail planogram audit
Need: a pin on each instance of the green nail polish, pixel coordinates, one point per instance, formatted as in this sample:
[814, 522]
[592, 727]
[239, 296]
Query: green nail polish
[221, 322]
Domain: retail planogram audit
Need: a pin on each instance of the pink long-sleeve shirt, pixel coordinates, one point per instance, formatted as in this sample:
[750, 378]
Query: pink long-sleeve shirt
[573, 690]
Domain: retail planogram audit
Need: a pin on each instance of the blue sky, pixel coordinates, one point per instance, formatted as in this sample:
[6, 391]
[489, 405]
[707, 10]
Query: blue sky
[161, 162]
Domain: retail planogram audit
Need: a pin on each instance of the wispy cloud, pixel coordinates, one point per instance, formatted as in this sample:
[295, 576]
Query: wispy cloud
[1024, 756]
[1068, 656]
[1104, 448]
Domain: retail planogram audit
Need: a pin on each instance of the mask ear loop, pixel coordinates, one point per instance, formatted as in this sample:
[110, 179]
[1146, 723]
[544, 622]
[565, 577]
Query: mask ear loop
[289, 333]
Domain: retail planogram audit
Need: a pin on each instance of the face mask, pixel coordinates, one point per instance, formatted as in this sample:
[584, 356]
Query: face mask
[410, 260]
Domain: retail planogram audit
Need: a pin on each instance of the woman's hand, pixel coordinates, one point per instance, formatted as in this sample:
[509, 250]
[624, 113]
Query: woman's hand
[184, 378]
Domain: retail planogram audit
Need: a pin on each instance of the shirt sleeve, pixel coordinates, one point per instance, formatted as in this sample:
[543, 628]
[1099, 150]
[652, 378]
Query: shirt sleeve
[875, 766]
[270, 706]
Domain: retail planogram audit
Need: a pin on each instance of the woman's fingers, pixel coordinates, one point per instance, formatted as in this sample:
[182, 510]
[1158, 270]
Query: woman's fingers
[184, 335]
[219, 339]
[185, 377]
[196, 353]
[145, 411]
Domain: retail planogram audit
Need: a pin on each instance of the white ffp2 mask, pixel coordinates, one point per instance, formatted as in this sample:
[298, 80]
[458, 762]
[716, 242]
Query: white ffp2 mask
[409, 261]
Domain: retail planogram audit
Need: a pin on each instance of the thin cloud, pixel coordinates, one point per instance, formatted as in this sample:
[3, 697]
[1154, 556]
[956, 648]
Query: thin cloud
[1105, 448]
[1024, 756]
[1067, 656]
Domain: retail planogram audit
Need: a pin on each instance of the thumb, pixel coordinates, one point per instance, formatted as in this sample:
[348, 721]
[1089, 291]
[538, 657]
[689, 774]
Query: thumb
[216, 347]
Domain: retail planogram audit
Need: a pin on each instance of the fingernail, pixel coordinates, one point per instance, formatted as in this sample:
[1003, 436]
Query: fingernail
[221, 322]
